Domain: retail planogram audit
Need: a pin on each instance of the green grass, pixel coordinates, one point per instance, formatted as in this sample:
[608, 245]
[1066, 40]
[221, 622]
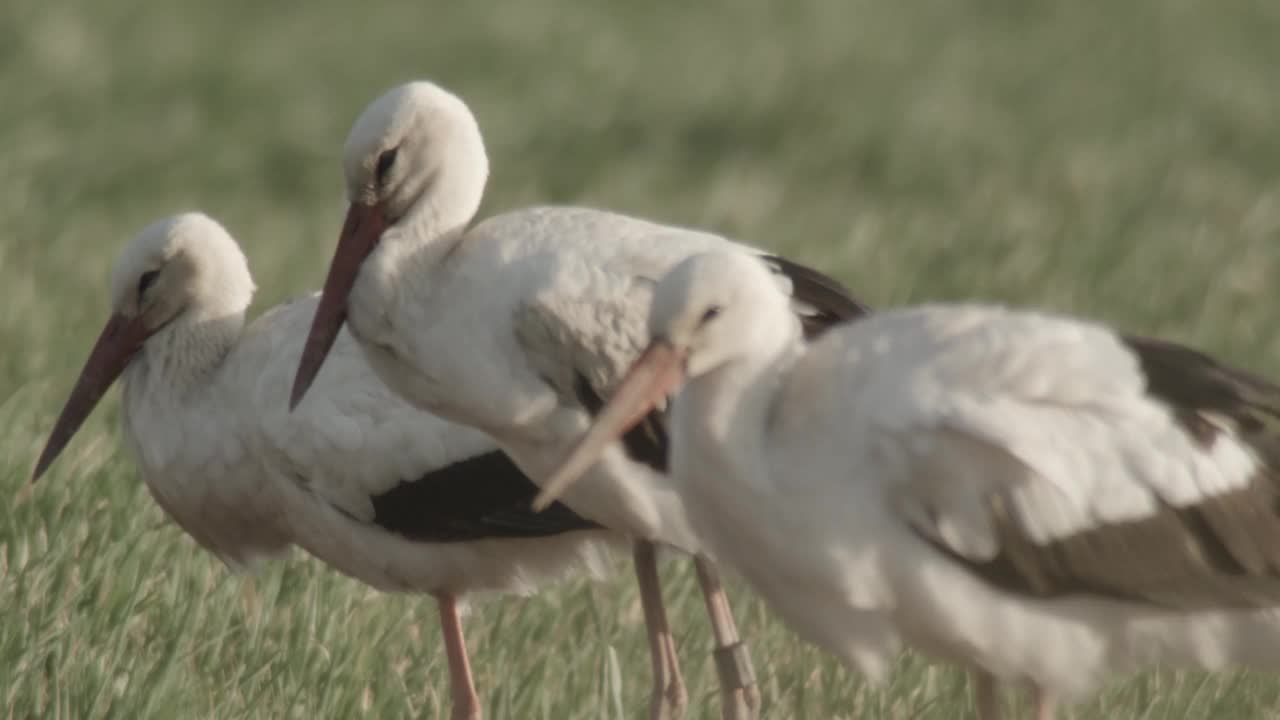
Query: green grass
[1115, 159]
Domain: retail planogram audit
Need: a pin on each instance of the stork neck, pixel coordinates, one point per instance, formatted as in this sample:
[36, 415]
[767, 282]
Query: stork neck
[729, 407]
[421, 242]
[183, 356]
[447, 202]
[419, 248]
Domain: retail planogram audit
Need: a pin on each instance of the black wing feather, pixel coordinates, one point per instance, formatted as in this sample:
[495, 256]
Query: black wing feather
[831, 301]
[485, 497]
[1221, 552]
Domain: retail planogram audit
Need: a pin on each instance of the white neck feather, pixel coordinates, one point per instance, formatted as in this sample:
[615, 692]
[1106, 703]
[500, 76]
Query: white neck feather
[174, 416]
[182, 357]
[454, 195]
[430, 230]
[725, 412]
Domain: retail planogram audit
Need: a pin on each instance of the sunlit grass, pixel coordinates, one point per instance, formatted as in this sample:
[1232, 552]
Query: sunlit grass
[1119, 160]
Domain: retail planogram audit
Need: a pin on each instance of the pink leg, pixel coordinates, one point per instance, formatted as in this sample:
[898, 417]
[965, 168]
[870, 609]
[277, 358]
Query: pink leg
[669, 694]
[740, 695]
[1046, 706]
[466, 704]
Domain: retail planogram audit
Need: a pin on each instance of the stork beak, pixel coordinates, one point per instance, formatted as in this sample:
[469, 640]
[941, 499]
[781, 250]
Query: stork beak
[658, 371]
[360, 233]
[120, 339]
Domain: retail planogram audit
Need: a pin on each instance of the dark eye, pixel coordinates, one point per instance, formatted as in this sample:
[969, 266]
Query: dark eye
[147, 280]
[711, 314]
[385, 161]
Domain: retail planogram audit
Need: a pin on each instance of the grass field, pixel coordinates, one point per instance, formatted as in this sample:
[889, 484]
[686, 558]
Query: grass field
[1116, 159]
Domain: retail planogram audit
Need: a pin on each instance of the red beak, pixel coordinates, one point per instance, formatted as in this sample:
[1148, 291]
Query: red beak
[120, 339]
[360, 233]
[658, 371]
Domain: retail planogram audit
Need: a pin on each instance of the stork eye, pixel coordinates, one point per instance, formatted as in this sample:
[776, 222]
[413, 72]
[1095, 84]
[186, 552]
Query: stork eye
[711, 314]
[147, 280]
[385, 161]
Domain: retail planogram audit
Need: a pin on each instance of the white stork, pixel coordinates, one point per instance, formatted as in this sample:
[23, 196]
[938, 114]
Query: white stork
[519, 326]
[385, 493]
[1036, 497]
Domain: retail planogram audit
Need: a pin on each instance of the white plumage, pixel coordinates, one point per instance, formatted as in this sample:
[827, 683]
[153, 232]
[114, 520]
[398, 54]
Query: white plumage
[515, 326]
[385, 493]
[1036, 497]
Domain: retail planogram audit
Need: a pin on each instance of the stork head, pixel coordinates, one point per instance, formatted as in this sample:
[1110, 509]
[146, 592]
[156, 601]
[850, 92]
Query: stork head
[185, 267]
[717, 307]
[708, 311]
[416, 143]
[415, 169]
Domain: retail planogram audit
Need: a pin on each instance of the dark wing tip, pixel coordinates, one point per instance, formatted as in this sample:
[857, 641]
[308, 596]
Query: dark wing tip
[484, 497]
[1222, 551]
[832, 302]
[1194, 385]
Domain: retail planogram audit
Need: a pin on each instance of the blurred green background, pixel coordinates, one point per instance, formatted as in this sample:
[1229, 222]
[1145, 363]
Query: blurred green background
[1114, 159]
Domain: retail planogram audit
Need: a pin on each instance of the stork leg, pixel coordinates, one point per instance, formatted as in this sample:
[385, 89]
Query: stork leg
[740, 696]
[1046, 704]
[466, 703]
[986, 695]
[669, 694]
